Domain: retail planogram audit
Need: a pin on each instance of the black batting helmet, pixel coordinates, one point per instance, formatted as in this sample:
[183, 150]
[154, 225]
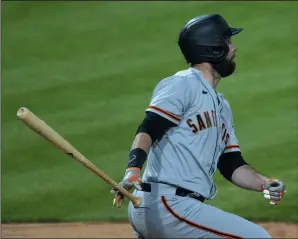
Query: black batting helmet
[202, 39]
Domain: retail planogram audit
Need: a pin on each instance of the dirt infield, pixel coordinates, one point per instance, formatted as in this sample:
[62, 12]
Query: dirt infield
[108, 230]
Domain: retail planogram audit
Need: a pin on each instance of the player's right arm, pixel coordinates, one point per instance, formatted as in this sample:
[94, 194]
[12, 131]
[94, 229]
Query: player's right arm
[170, 100]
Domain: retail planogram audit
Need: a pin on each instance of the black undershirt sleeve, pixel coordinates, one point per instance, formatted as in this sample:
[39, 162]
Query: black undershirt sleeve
[229, 162]
[155, 125]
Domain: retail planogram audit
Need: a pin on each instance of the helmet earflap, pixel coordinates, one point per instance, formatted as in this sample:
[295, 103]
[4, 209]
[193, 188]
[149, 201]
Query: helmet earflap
[196, 53]
[219, 52]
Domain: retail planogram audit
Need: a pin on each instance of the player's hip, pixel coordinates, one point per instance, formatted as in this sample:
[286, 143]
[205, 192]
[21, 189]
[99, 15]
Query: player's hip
[161, 210]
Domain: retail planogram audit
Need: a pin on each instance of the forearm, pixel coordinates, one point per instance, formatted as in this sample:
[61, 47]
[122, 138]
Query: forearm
[246, 177]
[151, 130]
[142, 141]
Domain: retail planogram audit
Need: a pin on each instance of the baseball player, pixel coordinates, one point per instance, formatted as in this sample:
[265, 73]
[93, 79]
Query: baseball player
[187, 133]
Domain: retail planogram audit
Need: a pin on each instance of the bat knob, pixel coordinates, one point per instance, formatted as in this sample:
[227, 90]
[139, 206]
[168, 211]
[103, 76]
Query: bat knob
[21, 113]
[137, 202]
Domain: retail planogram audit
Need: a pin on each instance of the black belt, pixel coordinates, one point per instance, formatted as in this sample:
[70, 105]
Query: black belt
[146, 187]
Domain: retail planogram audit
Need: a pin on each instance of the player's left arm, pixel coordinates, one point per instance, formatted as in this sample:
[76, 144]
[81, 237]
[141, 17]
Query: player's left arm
[235, 169]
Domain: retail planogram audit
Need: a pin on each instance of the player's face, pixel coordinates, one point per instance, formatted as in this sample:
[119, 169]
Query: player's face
[228, 66]
[232, 53]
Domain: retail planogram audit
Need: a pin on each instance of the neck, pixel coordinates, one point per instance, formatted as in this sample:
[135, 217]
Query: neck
[209, 73]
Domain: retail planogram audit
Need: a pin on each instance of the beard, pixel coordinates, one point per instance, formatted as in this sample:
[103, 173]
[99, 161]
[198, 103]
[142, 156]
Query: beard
[225, 68]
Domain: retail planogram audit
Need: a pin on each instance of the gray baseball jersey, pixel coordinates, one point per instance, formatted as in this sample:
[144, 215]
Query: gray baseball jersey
[187, 157]
[188, 154]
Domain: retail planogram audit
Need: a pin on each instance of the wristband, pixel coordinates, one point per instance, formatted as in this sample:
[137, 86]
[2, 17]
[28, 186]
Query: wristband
[137, 158]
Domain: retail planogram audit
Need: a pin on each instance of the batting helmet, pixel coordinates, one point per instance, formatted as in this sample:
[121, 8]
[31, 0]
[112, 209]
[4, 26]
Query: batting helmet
[202, 39]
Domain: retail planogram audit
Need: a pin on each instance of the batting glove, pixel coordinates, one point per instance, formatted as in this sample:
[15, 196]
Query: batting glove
[131, 180]
[273, 190]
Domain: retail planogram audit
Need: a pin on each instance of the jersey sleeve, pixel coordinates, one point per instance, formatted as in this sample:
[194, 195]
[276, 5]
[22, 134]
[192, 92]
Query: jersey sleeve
[171, 98]
[232, 144]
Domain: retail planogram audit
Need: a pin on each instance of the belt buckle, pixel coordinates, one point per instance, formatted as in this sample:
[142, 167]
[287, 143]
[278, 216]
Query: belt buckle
[194, 195]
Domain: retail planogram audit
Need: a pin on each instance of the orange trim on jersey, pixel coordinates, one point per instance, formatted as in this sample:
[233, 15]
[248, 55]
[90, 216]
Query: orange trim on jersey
[165, 112]
[193, 224]
[232, 146]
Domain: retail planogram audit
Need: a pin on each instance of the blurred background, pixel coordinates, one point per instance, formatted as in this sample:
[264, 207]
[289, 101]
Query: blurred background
[89, 68]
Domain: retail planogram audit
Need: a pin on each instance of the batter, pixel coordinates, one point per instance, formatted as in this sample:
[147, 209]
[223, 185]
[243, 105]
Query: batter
[186, 135]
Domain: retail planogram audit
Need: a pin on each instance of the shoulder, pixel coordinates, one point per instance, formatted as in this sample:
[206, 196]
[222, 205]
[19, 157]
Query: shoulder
[181, 80]
[189, 77]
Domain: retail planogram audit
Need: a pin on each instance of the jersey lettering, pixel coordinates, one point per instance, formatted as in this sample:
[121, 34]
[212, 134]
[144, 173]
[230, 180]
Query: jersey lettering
[208, 120]
[192, 125]
[214, 117]
[203, 121]
[225, 136]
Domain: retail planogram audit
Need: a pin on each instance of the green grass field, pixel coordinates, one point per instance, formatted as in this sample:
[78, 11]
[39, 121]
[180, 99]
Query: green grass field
[88, 70]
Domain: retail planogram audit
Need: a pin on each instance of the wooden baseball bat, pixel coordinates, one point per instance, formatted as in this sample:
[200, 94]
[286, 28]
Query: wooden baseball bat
[43, 129]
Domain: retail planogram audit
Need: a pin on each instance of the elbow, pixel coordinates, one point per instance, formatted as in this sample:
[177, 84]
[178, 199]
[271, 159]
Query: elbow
[228, 163]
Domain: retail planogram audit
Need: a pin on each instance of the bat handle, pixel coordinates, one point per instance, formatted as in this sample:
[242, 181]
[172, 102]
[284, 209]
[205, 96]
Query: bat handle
[136, 201]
